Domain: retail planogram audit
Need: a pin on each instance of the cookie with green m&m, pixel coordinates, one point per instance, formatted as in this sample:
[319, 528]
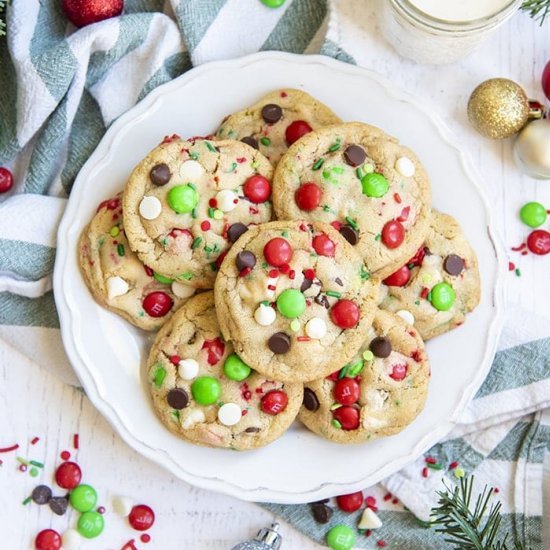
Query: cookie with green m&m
[276, 121]
[368, 186]
[437, 287]
[379, 392]
[118, 279]
[186, 202]
[205, 393]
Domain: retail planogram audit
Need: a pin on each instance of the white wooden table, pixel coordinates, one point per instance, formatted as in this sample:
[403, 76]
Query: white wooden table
[33, 402]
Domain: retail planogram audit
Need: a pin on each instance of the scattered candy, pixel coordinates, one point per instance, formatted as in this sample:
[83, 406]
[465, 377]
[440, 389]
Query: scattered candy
[90, 524]
[350, 502]
[150, 208]
[316, 328]
[533, 214]
[206, 390]
[235, 368]
[191, 171]
[538, 242]
[265, 315]
[323, 245]
[6, 180]
[122, 505]
[83, 498]
[41, 494]
[71, 540]
[295, 130]
[68, 475]
[308, 196]
[345, 314]
[278, 252]
[229, 414]
[405, 167]
[182, 198]
[291, 303]
[48, 539]
[257, 189]
[321, 512]
[443, 296]
[58, 505]
[374, 185]
[274, 402]
[157, 304]
[369, 520]
[273, 3]
[341, 537]
[393, 234]
[141, 517]
[227, 200]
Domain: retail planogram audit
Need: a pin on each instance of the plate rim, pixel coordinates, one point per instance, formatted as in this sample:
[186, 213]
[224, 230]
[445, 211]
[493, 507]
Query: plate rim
[161, 457]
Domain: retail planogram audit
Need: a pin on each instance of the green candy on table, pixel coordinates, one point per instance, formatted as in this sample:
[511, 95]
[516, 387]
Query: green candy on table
[235, 368]
[83, 498]
[533, 214]
[374, 185]
[273, 3]
[206, 390]
[442, 296]
[341, 537]
[90, 524]
[182, 198]
[291, 303]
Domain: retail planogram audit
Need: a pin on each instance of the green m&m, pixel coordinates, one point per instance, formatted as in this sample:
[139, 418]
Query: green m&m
[273, 3]
[374, 185]
[341, 537]
[235, 368]
[442, 296]
[206, 390]
[83, 498]
[533, 214]
[182, 198]
[291, 303]
[90, 524]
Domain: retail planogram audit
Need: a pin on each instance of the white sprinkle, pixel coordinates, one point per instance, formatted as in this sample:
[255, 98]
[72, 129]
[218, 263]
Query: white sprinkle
[229, 414]
[405, 167]
[188, 369]
[71, 539]
[369, 520]
[191, 171]
[264, 315]
[406, 315]
[182, 291]
[122, 505]
[226, 200]
[150, 208]
[116, 286]
[316, 328]
[196, 416]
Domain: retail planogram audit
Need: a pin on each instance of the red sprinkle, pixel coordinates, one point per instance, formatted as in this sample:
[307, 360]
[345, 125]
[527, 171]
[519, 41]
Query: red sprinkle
[303, 338]
[8, 449]
[395, 501]
[511, 266]
[145, 538]
[35, 440]
[453, 465]
[240, 160]
[524, 253]
[101, 510]
[65, 455]
[23, 468]
[213, 203]
[244, 272]
[370, 501]
[149, 271]
[175, 360]
[271, 287]
[397, 198]
[387, 497]
[285, 268]
[424, 293]
[368, 533]
[381, 543]
[520, 247]
[244, 412]
[291, 274]
[253, 210]
[205, 225]
[496, 490]
[273, 274]
[424, 472]
[336, 224]
[215, 349]
[309, 274]
[416, 355]
[283, 94]
[404, 214]
[430, 460]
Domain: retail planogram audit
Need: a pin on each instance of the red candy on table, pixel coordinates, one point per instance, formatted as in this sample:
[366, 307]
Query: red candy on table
[257, 189]
[141, 517]
[297, 129]
[399, 278]
[345, 314]
[538, 242]
[68, 475]
[323, 245]
[157, 304]
[48, 539]
[347, 391]
[347, 416]
[274, 402]
[350, 503]
[6, 180]
[393, 234]
[308, 196]
[278, 252]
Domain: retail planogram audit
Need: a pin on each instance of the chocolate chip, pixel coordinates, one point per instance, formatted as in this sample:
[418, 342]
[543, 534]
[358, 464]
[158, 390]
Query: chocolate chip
[355, 155]
[322, 300]
[160, 174]
[236, 230]
[177, 398]
[306, 283]
[380, 346]
[252, 430]
[58, 505]
[311, 403]
[279, 343]
[453, 264]
[338, 281]
[245, 259]
[321, 512]
[271, 113]
[349, 234]
[250, 140]
[41, 494]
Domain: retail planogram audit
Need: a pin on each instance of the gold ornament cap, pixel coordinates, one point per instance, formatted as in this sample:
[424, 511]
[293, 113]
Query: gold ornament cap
[498, 108]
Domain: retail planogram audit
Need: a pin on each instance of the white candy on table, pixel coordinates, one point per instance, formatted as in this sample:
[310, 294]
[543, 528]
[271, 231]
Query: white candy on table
[369, 520]
[116, 286]
[122, 505]
[150, 208]
[71, 540]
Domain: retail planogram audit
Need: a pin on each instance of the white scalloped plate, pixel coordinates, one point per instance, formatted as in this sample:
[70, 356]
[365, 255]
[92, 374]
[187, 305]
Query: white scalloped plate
[107, 352]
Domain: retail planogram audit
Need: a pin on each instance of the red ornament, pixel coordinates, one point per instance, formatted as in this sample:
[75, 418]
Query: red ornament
[274, 402]
[347, 416]
[399, 278]
[68, 475]
[141, 517]
[215, 350]
[350, 503]
[393, 234]
[345, 314]
[278, 252]
[546, 80]
[157, 304]
[6, 180]
[399, 372]
[347, 391]
[257, 189]
[323, 245]
[84, 12]
[308, 196]
[538, 242]
[48, 539]
[297, 129]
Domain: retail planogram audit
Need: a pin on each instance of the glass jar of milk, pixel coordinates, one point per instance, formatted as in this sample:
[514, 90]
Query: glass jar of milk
[441, 31]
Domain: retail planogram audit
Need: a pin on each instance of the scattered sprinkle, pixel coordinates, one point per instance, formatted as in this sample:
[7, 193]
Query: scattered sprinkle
[518, 272]
[210, 147]
[26, 501]
[65, 455]
[120, 249]
[37, 464]
[35, 440]
[453, 465]
[424, 472]
[196, 242]
[76, 441]
[265, 141]
[8, 449]
[459, 472]
[318, 164]
[333, 293]
[353, 223]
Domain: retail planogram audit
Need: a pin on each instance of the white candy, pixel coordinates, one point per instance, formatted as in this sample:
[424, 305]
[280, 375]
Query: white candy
[122, 505]
[150, 208]
[406, 315]
[229, 414]
[116, 286]
[182, 291]
[264, 315]
[316, 328]
[191, 171]
[369, 520]
[405, 167]
[71, 539]
[188, 369]
[196, 416]
[226, 200]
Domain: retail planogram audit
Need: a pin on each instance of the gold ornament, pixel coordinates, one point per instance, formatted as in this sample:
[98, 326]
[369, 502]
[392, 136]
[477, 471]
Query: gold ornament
[532, 149]
[498, 108]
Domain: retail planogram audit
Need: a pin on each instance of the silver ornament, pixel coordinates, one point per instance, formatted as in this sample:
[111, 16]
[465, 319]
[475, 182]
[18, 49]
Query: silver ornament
[532, 149]
[267, 539]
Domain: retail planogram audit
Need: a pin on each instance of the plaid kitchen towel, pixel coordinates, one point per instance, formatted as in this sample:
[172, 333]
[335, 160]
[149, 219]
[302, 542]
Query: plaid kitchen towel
[61, 89]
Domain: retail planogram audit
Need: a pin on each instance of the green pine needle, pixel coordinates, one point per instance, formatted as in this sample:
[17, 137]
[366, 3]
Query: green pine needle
[538, 9]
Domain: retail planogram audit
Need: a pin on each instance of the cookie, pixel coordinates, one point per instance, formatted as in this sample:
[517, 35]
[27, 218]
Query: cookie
[378, 393]
[202, 390]
[436, 288]
[187, 201]
[117, 278]
[373, 190]
[294, 299]
[276, 121]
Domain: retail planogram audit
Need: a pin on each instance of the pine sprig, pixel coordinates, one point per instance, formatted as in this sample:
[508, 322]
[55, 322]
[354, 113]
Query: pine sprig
[468, 529]
[538, 9]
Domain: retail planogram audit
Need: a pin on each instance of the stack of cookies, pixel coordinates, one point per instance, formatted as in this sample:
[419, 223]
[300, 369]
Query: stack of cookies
[319, 268]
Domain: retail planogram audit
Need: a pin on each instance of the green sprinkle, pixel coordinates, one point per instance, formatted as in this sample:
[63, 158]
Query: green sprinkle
[255, 164]
[360, 173]
[435, 466]
[459, 472]
[327, 208]
[377, 237]
[231, 133]
[37, 464]
[213, 266]
[187, 276]
[337, 170]
[207, 249]
[265, 141]
[26, 501]
[194, 155]
[318, 164]
[265, 303]
[326, 174]
[284, 233]
[192, 185]
[176, 415]
[210, 147]
[196, 242]
[417, 302]
[429, 296]
[343, 372]
[114, 231]
[101, 241]
[120, 249]
[164, 242]
[355, 369]
[335, 146]
[216, 248]
[33, 472]
[194, 213]
[368, 355]
[335, 406]
[210, 212]
[518, 272]
[233, 167]
[218, 214]
[411, 266]
[159, 376]
[21, 460]
[365, 275]
[333, 293]
[353, 223]
[265, 265]
[336, 424]
[162, 279]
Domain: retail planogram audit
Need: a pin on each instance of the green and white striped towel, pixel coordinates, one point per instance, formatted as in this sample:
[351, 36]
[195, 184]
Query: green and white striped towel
[62, 87]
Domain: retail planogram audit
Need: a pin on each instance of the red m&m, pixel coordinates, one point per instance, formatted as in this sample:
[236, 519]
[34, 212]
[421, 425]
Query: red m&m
[393, 234]
[257, 189]
[278, 252]
[347, 391]
[68, 475]
[323, 245]
[347, 416]
[538, 242]
[399, 278]
[345, 314]
[141, 517]
[350, 503]
[48, 539]
[274, 402]
[308, 196]
[157, 304]
[6, 180]
[295, 130]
